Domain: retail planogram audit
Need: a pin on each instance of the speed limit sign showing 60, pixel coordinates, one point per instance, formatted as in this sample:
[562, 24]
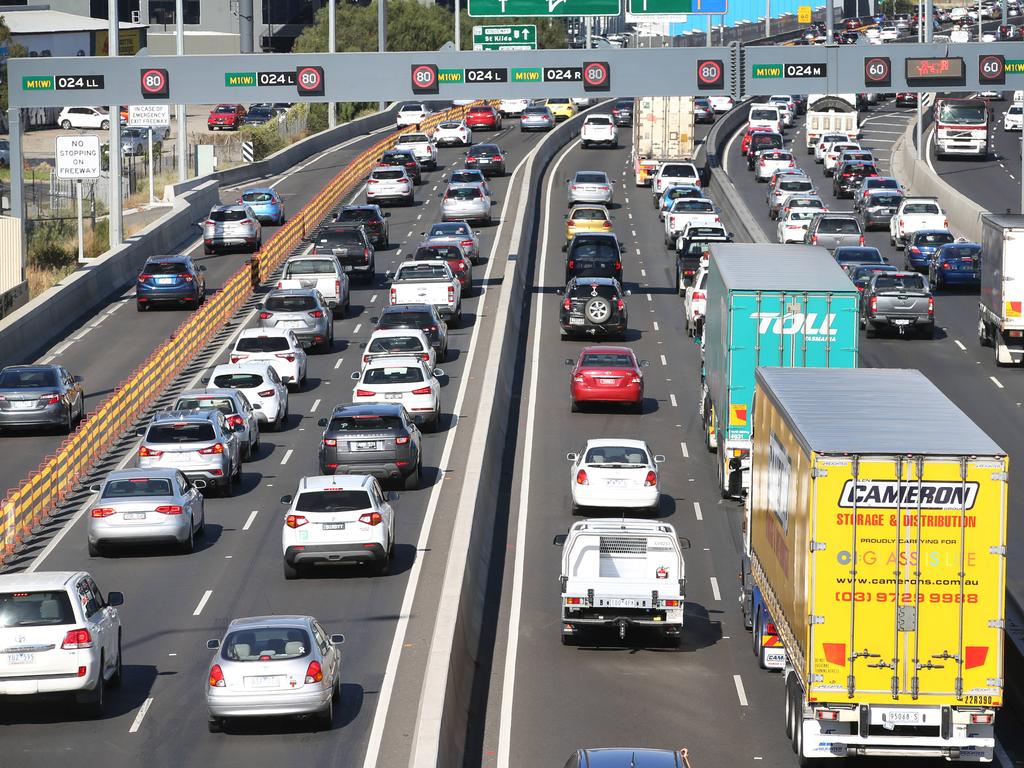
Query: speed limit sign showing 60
[424, 78]
[309, 81]
[710, 75]
[877, 72]
[992, 69]
[154, 83]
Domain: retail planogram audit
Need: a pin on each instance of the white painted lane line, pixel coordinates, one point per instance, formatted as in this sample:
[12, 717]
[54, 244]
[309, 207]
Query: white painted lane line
[637, 251]
[337, 363]
[137, 723]
[287, 455]
[409, 235]
[420, 216]
[373, 298]
[740, 693]
[672, 399]
[686, 451]
[630, 215]
[656, 326]
[649, 297]
[434, 188]
[714, 589]
[643, 273]
[356, 329]
[202, 602]
[696, 510]
[996, 382]
[316, 404]
[962, 347]
[398, 253]
[663, 360]
[249, 520]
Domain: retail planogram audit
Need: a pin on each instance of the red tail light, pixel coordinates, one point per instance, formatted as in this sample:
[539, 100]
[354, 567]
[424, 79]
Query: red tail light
[651, 479]
[915, 249]
[234, 420]
[466, 243]
[421, 391]
[235, 358]
[567, 305]
[496, 158]
[581, 478]
[945, 223]
[931, 305]
[266, 393]
[394, 296]
[861, 242]
[872, 305]
[169, 509]
[144, 451]
[337, 288]
[187, 278]
[462, 266]
[330, 442]
[699, 296]
[814, 239]
[215, 449]
[76, 639]
[295, 521]
[49, 399]
[317, 313]
[217, 677]
[288, 356]
[266, 315]
[621, 304]
[372, 181]
[572, 263]
[618, 265]
[370, 518]
[144, 277]
[365, 393]
[100, 512]
[451, 293]
[770, 629]
[425, 357]
[314, 673]
[402, 440]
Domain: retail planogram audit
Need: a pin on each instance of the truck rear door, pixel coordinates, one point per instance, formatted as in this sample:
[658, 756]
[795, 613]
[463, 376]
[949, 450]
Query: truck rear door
[1013, 279]
[907, 582]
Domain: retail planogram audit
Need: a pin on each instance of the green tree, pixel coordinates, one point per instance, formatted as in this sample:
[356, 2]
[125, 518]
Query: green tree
[14, 51]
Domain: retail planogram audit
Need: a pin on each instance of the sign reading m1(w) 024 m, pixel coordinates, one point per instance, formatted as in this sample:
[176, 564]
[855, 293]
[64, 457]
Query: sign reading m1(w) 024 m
[497, 8]
[787, 71]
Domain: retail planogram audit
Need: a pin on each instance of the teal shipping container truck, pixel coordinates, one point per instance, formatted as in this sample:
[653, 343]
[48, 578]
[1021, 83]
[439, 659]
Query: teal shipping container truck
[788, 306]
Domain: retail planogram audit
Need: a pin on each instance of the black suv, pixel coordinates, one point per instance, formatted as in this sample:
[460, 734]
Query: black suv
[406, 159]
[762, 140]
[622, 112]
[371, 217]
[349, 244]
[847, 179]
[422, 316]
[691, 248]
[594, 306]
[378, 439]
[594, 254]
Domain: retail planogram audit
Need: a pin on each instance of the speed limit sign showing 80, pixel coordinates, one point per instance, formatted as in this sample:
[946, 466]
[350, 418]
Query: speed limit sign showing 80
[154, 83]
[597, 76]
[424, 79]
[992, 69]
[710, 75]
[309, 81]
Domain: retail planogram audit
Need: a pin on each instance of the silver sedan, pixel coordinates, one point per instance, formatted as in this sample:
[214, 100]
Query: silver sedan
[269, 666]
[536, 119]
[465, 202]
[589, 187]
[135, 506]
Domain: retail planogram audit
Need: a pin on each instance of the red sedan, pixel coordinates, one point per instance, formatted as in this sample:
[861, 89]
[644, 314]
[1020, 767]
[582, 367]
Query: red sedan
[483, 117]
[745, 141]
[605, 374]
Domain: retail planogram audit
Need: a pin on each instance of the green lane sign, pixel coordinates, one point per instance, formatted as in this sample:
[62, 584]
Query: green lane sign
[239, 79]
[37, 83]
[450, 76]
[1014, 66]
[676, 7]
[528, 75]
[515, 37]
[520, 8]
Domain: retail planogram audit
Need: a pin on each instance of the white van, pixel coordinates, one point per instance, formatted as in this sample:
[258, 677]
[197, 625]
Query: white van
[766, 115]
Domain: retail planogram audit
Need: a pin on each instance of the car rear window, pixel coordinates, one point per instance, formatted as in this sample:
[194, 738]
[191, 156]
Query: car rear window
[599, 120]
[404, 319]
[388, 344]
[764, 114]
[387, 174]
[438, 252]
[238, 380]
[888, 201]
[674, 193]
[535, 111]
[699, 206]
[616, 454]
[223, 404]
[466, 177]
[801, 215]
[863, 256]
[332, 501]
[357, 214]
[421, 272]
[675, 169]
[450, 126]
[463, 193]
[795, 186]
[137, 486]
[263, 344]
[805, 202]
[607, 360]
[310, 267]
[290, 303]
[765, 141]
[920, 208]
[591, 178]
[398, 158]
[181, 432]
[595, 250]
[900, 283]
[413, 138]
[399, 374]
[588, 214]
[586, 290]
[367, 423]
[266, 644]
[933, 238]
[28, 378]
[480, 109]
[35, 609]
[883, 184]
[961, 252]
[484, 149]
[232, 214]
[448, 229]
[164, 268]
[839, 227]
[338, 237]
[258, 197]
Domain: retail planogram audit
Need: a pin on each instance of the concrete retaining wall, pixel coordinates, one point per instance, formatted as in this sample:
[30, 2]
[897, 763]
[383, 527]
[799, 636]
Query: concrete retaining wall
[721, 188]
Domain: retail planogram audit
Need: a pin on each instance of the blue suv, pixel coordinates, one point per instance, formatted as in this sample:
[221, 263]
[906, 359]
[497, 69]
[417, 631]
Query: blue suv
[170, 280]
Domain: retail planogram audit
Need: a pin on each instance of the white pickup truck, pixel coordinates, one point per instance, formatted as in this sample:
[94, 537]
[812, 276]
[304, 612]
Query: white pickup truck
[914, 215]
[621, 573]
[599, 129]
[428, 282]
[689, 211]
[421, 145]
[320, 272]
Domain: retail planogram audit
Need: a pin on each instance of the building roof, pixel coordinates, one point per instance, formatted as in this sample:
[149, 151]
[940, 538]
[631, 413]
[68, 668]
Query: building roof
[770, 267]
[48, 22]
[872, 411]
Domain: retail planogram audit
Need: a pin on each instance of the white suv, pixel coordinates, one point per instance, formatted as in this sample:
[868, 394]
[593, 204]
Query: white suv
[411, 114]
[89, 118]
[333, 519]
[404, 380]
[279, 348]
[59, 635]
[261, 386]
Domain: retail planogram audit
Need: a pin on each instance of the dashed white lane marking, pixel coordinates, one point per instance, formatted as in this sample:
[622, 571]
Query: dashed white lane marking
[337, 363]
[962, 347]
[656, 326]
[649, 297]
[202, 602]
[696, 510]
[356, 329]
[398, 253]
[686, 451]
[409, 235]
[316, 404]
[249, 520]
[672, 399]
[634, 233]
[740, 693]
[287, 455]
[714, 589]
[637, 251]
[996, 382]
[630, 215]
[434, 188]
[663, 360]
[137, 723]
[373, 298]
[643, 273]
[419, 217]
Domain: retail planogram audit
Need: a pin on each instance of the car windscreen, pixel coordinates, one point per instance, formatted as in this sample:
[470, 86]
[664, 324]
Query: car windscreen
[590, 178]
[606, 360]
[130, 488]
[238, 380]
[901, 283]
[933, 238]
[181, 432]
[286, 303]
[588, 214]
[364, 423]
[796, 185]
[399, 374]
[884, 201]
[266, 644]
[962, 114]
[463, 193]
[260, 112]
[839, 227]
[335, 500]
[258, 197]
[386, 344]
[223, 404]
[310, 267]
[263, 344]
[28, 377]
[422, 272]
[226, 109]
[920, 208]
[35, 609]
[610, 455]
[231, 214]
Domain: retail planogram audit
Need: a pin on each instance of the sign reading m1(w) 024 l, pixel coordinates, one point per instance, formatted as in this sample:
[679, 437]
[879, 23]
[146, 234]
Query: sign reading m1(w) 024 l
[672, 7]
[497, 8]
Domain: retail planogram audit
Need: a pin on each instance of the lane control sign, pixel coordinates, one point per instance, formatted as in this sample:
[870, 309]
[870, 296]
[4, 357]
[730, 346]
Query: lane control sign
[991, 69]
[710, 75]
[424, 79]
[309, 81]
[154, 83]
[877, 72]
[597, 76]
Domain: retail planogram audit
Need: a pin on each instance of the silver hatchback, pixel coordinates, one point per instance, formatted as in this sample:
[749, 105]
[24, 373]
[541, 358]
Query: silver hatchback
[466, 202]
[268, 666]
[231, 226]
[304, 312]
[135, 506]
[536, 119]
[235, 406]
[589, 187]
[460, 232]
[199, 443]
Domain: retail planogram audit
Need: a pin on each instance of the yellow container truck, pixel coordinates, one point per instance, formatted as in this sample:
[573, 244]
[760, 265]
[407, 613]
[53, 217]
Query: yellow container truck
[874, 567]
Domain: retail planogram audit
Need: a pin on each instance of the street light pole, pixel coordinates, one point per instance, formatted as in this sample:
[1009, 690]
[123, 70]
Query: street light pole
[181, 143]
[382, 38]
[767, 18]
[332, 46]
[830, 21]
[114, 147]
[458, 25]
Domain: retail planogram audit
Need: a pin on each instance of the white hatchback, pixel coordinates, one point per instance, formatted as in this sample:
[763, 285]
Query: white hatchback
[614, 474]
[1013, 120]
[278, 347]
[261, 386]
[404, 380]
[389, 343]
[825, 143]
[793, 224]
[411, 114]
[453, 133]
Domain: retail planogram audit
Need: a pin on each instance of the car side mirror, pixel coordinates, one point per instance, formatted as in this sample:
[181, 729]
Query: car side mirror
[354, 376]
[374, 320]
[141, 431]
[95, 488]
[338, 639]
[658, 458]
[684, 542]
[569, 361]
[257, 407]
[438, 373]
[286, 499]
[628, 292]
[115, 599]
[622, 247]
[202, 268]
[571, 457]
[387, 214]
[645, 363]
[388, 275]
[322, 423]
[559, 540]
[392, 495]
[213, 645]
[79, 380]
[200, 484]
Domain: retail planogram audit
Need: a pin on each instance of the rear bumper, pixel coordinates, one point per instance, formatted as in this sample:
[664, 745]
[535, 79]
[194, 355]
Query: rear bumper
[50, 416]
[637, 497]
[354, 552]
[268, 703]
[176, 532]
[895, 320]
[597, 394]
[383, 470]
[174, 295]
[975, 743]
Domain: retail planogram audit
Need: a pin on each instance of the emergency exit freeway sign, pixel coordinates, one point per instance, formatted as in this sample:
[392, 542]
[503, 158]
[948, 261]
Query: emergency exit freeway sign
[674, 7]
[507, 38]
[498, 8]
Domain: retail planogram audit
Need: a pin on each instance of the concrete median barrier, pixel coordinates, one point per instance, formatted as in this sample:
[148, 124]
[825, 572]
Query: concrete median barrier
[721, 187]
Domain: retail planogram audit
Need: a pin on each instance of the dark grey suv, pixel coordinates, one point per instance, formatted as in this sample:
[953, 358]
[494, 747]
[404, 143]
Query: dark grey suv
[378, 439]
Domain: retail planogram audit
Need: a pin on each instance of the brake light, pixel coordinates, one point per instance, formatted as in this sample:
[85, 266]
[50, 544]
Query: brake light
[234, 420]
[931, 305]
[266, 393]
[567, 305]
[621, 304]
[288, 356]
[451, 293]
[914, 249]
[402, 440]
[394, 296]
[365, 393]
[314, 673]
[337, 288]
[235, 357]
[217, 677]
[826, 714]
[981, 718]
[187, 278]
[330, 442]
[169, 509]
[144, 277]
[317, 313]
[100, 512]
[699, 296]
[861, 240]
[295, 521]
[421, 391]
[372, 181]
[266, 315]
[651, 479]
[618, 265]
[370, 518]
[574, 601]
[216, 448]
[466, 243]
[496, 158]
[873, 305]
[425, 357]
[581, 478]
[76, 639]
[49, 399]
[144, 451]
[814, 239]
[945, 265]
[945, 223]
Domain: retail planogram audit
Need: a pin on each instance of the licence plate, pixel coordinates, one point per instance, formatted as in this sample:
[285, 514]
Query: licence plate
[615, 483]
[348, 267]
[621, 602]
[293, 324]
[334, 526]
[901, 322]
[366, 445]
[575, 321]
[21, 658]
[393, 396]
[607, 381]
[907, 716]
[22, 405]
[265, 681]
[134, 515]
[165, 281]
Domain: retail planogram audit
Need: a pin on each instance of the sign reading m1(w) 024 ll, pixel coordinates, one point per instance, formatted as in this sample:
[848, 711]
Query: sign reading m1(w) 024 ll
[78, 157]
[497, 8]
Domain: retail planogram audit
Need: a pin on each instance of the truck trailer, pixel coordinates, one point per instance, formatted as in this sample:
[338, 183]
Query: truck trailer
[875, 557]
[831, 114]
[780, 305]
[1001, 306]
[662, 131]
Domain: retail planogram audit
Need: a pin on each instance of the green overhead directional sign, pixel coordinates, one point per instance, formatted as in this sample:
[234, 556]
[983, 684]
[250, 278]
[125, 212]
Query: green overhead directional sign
[675, 7]
[515, 37]
[509, 8]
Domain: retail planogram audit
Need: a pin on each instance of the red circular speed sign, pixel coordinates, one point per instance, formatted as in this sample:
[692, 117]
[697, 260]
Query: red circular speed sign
[154, 83]
[710, 74]
[424, 78]
[992, 69]
[309, 81]
[877, 71]
[596, 76]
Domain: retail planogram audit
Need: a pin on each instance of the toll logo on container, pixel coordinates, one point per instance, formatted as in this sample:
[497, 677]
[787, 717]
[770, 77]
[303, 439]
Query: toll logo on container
[792, 323]
[889, 494]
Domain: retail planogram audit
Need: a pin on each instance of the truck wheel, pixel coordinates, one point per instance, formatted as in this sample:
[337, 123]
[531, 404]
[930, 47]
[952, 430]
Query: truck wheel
[723, 482]
[789, 715]
[755, 633]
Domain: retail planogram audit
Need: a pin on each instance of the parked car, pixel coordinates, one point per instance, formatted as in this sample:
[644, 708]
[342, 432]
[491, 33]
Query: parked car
[259, 114]
[226, 116]
[266, 204]
[40, 396]
[594, 306]
[832, 230]
[607, 374]
[231, 226]
[900, 301]
[376, 439]
[262, 387]
[235, 406]
[956, 263]
[135, 141]
[170, 280]
[304, 312]
[84, 118]
[198, 443]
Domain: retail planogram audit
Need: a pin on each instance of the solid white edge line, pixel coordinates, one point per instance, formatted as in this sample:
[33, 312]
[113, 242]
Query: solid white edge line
[202, 602]
[672, 399]
[137, 723]
[714, 589]
[696, 510]
[405, 613]
[740, 693]
[515, 610]
[249, 520]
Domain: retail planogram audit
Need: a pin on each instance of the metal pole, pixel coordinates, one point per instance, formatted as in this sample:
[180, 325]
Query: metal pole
[1005, 12]
[332, 47]
[590, 31]
[181, 143]
[458, 25]
[710, 27]
[929, 27]
[382, 37]
[81, 236]
[151, 198]
[767, 18]
[17, 182]
[979, 21]
[245, 26]
[721, 30]
[830, 21]
[114, 148]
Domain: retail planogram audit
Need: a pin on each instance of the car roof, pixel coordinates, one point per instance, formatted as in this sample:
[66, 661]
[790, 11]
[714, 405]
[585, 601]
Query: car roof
[125, 474]
[360, 409]
[603, 348]
[269, 621]
[191, 414]
[228, 208]
[47, 367]
[627, 757]
[258, 333]
[320, 482]
[394, 362]
[601, 442]
[251, 366]
[38, 580]
[582, 236]
[410, 307]
[311, 292]
[396, 332]
[178, 257]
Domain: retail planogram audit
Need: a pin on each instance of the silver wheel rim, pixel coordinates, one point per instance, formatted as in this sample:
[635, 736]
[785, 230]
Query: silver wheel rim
[598, 310]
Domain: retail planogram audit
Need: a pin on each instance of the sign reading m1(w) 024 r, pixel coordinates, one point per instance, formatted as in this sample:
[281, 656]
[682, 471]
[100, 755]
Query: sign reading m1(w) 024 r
[425, 79]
